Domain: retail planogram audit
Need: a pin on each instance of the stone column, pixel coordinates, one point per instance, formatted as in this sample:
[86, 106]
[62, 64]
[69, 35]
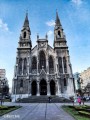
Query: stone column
[37, 65]
[62, 65]
[28, 65]
[37, 62]
[58, 88]
[29, 88]
[47, 64]
[56, 64]
[38, 90]
[22, 65]
[48, 88]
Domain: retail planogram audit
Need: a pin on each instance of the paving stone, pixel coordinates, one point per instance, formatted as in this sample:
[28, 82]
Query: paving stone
[36, 111]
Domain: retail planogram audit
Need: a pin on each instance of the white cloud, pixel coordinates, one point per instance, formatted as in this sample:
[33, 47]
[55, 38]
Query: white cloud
[3, 26]
[77, 2]
[50, 33]
[50, 23]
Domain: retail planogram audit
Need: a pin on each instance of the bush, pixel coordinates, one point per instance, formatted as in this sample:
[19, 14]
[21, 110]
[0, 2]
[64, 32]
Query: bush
[11, 106]
[84, 113]
[71, 106]
[3, 108]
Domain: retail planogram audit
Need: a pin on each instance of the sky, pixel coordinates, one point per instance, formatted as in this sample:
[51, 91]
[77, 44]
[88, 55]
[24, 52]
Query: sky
[75, 19]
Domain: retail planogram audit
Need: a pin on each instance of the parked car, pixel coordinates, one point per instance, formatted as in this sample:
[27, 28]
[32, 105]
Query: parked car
[87, 98]
[7, 97]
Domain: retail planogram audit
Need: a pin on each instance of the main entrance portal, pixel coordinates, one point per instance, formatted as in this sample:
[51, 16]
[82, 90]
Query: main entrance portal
[43, 87]
[34, 88]
[52, 87]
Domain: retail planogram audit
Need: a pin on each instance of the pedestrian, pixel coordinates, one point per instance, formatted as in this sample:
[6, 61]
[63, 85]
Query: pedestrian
[1, 102]
[79, 100]
[83, 100]
[49, 99]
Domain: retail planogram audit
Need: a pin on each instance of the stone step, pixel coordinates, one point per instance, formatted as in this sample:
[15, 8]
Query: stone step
[43, 99]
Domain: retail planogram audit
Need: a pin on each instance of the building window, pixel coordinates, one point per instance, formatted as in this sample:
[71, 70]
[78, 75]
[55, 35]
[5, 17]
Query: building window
[60, 65]
[59, 34]
[51, 62]
[34, 63]
[21, 83]
[65, 83]
[42, 60]
[24, 35]
[20, 66]
[25, 66]
[65, 64]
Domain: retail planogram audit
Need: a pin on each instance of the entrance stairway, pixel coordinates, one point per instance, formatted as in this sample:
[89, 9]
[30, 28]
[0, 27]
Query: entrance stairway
[43, 99]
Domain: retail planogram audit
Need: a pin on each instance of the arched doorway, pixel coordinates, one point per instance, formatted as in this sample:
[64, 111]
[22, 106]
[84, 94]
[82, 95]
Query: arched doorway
[34, 88]
[52, 87]
[43, 87]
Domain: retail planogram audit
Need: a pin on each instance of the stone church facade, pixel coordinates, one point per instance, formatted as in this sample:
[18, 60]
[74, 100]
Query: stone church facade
[43, 70]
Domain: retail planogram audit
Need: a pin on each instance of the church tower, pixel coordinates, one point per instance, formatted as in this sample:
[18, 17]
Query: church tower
[63, 65]
[22, 67]
[59, 37]
[43, 69]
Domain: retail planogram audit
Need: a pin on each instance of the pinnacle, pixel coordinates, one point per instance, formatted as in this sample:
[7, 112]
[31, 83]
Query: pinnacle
[57, 19]
[26, 22]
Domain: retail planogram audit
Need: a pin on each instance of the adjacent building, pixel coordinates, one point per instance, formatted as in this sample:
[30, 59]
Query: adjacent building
[42, 69]
[77, 81]
[4, 87]
[85, 81]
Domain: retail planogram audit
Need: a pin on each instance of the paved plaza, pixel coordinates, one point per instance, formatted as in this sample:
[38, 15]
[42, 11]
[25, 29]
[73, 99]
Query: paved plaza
[37, 111]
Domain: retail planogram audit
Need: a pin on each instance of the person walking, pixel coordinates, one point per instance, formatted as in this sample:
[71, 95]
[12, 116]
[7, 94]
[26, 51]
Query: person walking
[79, 100]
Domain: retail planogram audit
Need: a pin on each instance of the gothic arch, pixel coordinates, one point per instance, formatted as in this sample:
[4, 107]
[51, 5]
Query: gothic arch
[25, 66]
[24, 34]
[52, 87]
[65, 82]
[34, 62]
[59, 33]
[51, 64]
[42, 59]
[34, 87]
[21, 83]
[65, 64]
[20, 66]
[43, 87]
[60, 65]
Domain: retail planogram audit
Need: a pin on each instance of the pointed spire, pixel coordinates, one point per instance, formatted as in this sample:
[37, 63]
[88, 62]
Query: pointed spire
[57, 19]
[26, 22]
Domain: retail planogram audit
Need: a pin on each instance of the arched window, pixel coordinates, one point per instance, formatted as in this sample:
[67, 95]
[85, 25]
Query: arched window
[42, 60]
[60, 65]
[21, 83]
[65, 64]
[34, 63]
[65, 83]
[25, 66]
[24, 34]
[20, 66]
[51, 62]
[59, 34]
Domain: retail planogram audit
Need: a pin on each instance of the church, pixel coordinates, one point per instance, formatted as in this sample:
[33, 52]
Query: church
[42, 69]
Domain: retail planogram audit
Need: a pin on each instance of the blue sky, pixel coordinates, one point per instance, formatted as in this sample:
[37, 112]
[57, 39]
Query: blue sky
[75, 19]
